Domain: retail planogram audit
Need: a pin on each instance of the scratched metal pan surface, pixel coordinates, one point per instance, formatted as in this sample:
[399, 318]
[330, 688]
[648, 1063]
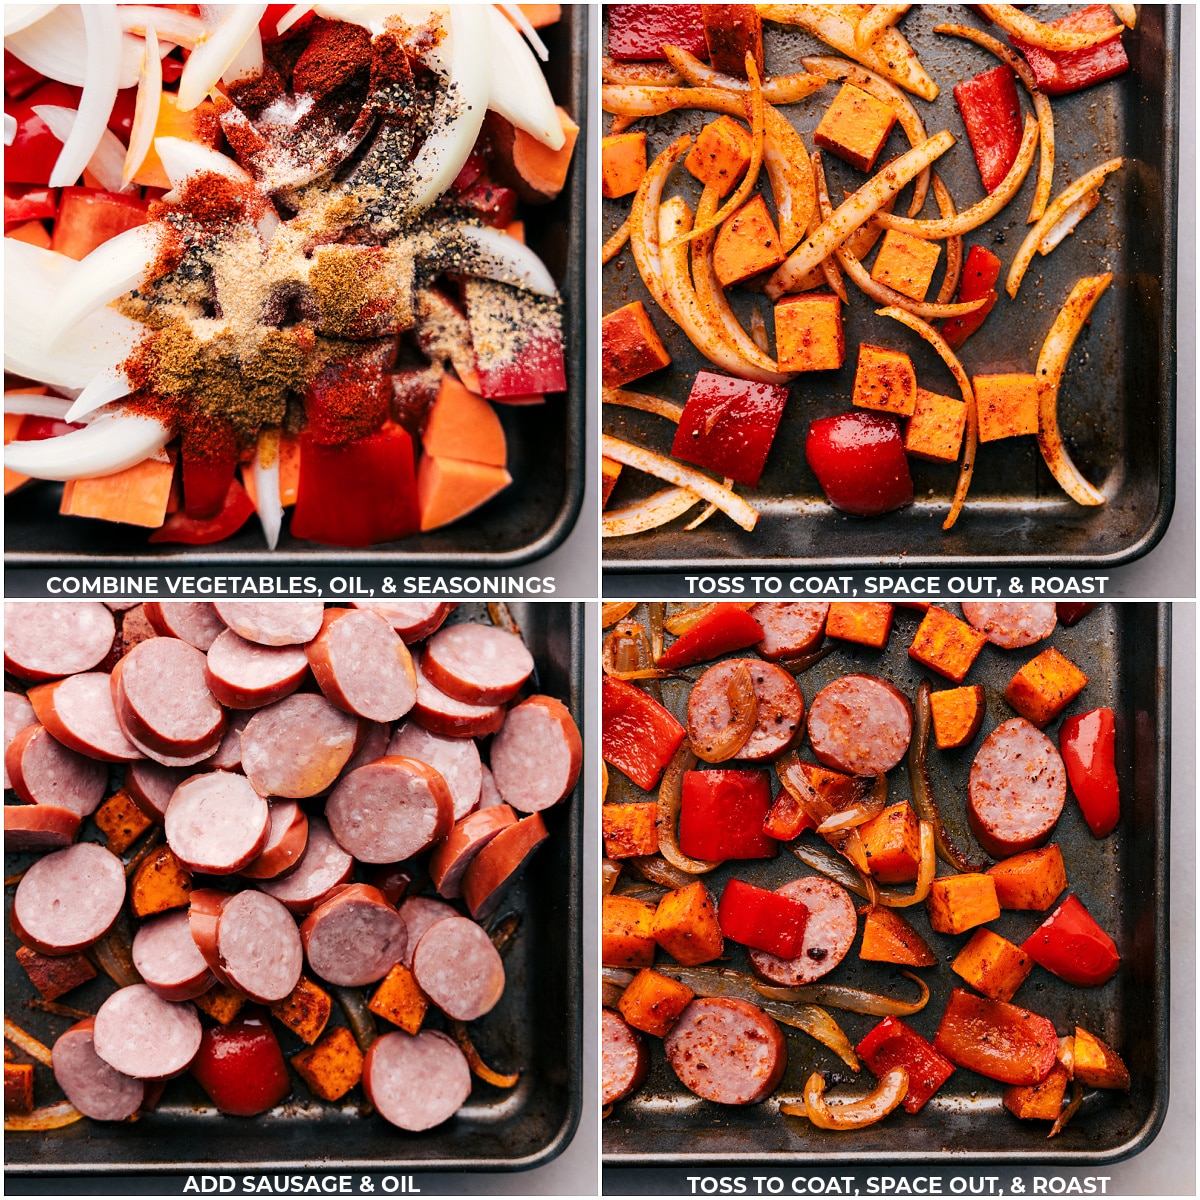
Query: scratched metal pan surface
[1117, 402]
[545, 442]
[1125, 651]
[537, 1028]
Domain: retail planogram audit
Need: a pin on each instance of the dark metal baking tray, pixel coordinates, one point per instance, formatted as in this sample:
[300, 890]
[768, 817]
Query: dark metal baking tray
[1117, 403]
[537, 1028]
[1125, 651]
[545, 442]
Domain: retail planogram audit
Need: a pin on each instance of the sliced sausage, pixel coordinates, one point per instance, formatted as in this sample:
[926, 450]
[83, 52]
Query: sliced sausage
[390, 809]
[18, 715]
[243, 674]
[726, 1050]
[69, 899]
[43, 771]
[228, 756]
[192, 621]
[449, 862]
[298, 746]
[828, 936]
[168, 959]
[362, 666]
[79, 712]
[489, 793]
[139, 1033]
[323, 866]
[272, 622]
[204, 922]
[418, 913]
[458, 968]
[455, 759]
[416, 1082]
[286, 839]
[259, 946]
[780, 722]
[355, 937]
[624, 1059]
[860, 725]
[48, 641]
[88, 1082]
[478, 664]
[372, 748]
[38, 827]
[537, 754]
[411, 619]
[1011, 626]
[217, 823]
[443, 714]
[790, 629]
[151, 785]
[498, 865]
[1016, 789]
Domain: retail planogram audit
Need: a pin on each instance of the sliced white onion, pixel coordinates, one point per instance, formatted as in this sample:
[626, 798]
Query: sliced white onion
[267, 499]
[504, 259]
[519, 92]
[111, 443]
[10, 129]
[56, 46]
[181, 158]
[296, 13]
[248, 62]
[213, 54]
[180, 28]
[521, 21]
[106, 162]
[1067, 222]
[36, 404]
[146, 108]
[21, 16]
[111, 384]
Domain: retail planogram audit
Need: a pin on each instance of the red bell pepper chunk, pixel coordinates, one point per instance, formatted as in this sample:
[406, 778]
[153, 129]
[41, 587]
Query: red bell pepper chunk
[350, 397]
[88, 217]
[637, 32]
[209, 456]
[726, 627]
[22, 203]
[1061, 71]
[39, 429]
[1069, 944]
[893, 1044]
[992, 114]
[359, 494]
[120, 120]
[492, 204]
[723, 813]
[268, 23]
[762, 920]
[531, 359]
[859, 461]
[980, 272]
[639, 736]
[1072, 613]
[787, 819]
[241, 1067]
[475, 166]
[35, 150]
[1088, 750]
[996, 1039]
[193, 531]
[728, 425]
[19, 78]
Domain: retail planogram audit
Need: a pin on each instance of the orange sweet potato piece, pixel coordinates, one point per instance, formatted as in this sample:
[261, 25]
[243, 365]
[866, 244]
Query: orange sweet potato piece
[610, 472]
[1007, 405]
[957, 715]
[945, 644]
[685, 925]
[398, 999]
[653, 1002]
[450, 488]
[1044, 686]
[305, 1011]
[1098, 1064]
[732, 31]
[1038, 1101]
[55, 976]
[721, 154]
[536, 172]
[627, 932]
[121, 821]
[331, 1067]
[13, 479]
[465, 426]
[200, 124]
[884, 381]
[855, 127]
[809, 334]
[18, 1088]
[622, 163]
[906, 263]
[160, 883]
[1030, 881]
[892, 844]
[541, 15]
[867, 623]
[992, 965]
[32, 232]
[630, 830]
[960, 902]
[747, 244]
[137, 495]
[221, 1003]
[630, 345]
[888, 937]
[935, 430]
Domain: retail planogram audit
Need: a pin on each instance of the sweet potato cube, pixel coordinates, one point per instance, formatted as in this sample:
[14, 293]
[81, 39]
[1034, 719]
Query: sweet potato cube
[1038, 1101]
[121, 821]
[450, 488]
[653, 1002]
[1007, 404]
[721, 154]
[1098, 1064]
[960, 902]
[610, 472]
[1032, 881]
[855, 127]
[464, 425]
[18, 1088]
[1044, 686]
[622, 163]
[56, 975]
[685, 925]
[906, 263]
[885, 381]
[809, 334]
[935, 430]
[992, 965]
[305, 1011]
[631, 346]
[867, 622]
[888, 937]
[161, 882]
[892, 844]
[398, 999]
[630, 830]
[331, 1067]
[957, 715]
[732, 31]
[627, 932]
[747, 244]
[945, 644]
[221, 1003]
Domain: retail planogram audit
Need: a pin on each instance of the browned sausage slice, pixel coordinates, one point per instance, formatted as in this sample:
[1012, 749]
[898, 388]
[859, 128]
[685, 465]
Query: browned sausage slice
[204, 923]
[18, 715]
[727, 1051]
[168, 959]
[1011, 626]
[323, 866]
[272, 622]
[455, 759]
[478, 664]
[43, 771]
[151, 785]
[47, 641]
[259, 946]
[498, 865]
[489, 793]
[416, 1082]
[372, 748]
[217, 823]
[286, 839]
[449, 862]
[192, 621]
[38, 827]
[362, 666]
[790, 629]
[228, 756]
[537, 754]
[140, 1034]
[624, 1060]
[418, 913]
[243, 674]
[860, 725]
[411, 619]
[355, 937]
[780, 702]
[297, 747]
[79, 712]
[458, 968]
[443, 714]
[828, 936]
[88, 1082]
[69, 899]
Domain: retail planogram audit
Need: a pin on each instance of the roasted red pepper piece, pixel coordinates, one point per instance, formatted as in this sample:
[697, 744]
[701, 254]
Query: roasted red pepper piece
[1069, 944]
[35, 150]
[859, 461]
[1060, 72]
[639, 736]
[893, 1044]
[193, 531]
[992, 114]
[23, 204]
[726, 627]
[241, 1067]
[723, 813]
[1088, 748]
[490, 202]
[1071, 614]
[88, 217]
[210, 458]
[787, 819]
[762, 920]
[996, 1039]
[19, 78]
[38, 429]
[637, 32]
[530, 363]
[980, 272]
[350, 397]
[475, 166]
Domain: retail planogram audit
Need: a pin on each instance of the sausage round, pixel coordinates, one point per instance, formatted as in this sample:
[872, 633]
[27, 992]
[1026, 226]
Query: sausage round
[355, 937]
[478, 664]
[47, 641]
[450, 860]
[789, 629]
[323, 866]
[43, 771]
[243, 674]
[624, 1059]
[259, 946]
[1012, 626]
[38, 827]
[362, 666]
[489, 793]
[828, 936]
[286, 838]
[458, 968]
[860, 725]
[411, 619]
[204, 922]
[537, 754]
[69, 899]
[498, 865]
[272, 622]
[228, 755]
[88, 1082]
[217, 823]
[151, 785]
[443, 714]
[1016, 789]
[455, 759]
[79, 712]
[727, 1051]
[168, 959]
[298, 746]
[780, 722]
[389, 810]
[192, 621]
[373, 747]
[416, 1082]
[418, 913]
[18, 715]
[140, 1034]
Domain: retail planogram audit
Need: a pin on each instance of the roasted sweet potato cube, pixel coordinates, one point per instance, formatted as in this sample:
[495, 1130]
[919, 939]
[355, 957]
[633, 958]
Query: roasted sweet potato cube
[331, 1067]
[55, 975]
[653, 1002]
[18, 1088]
[992, 965]
[305, 1011]
[721, 154]
[1044, 686]
[957, 715]
[610, 472]
[885, 381]
[1031, 881]
[892, 844]
[1098, 1064]
[685, 925]
[960, 902]
[221, 1003]
[732, 31]
[631, 346]
[622, 163]
[855, 127]
[935, 430]
[398, 999]
[629, 830]
[748, 244]
[121, 821]
[1007, 405]
[809, 334]
[627, 932]
[161, 882]
[906, 263]
[1039, 1101]
[945, 644]
[888, 937]
[866, 622]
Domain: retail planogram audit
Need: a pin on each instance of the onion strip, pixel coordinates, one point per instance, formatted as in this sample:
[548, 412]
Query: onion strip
[644, 403]
[1126, 14]
[872, 24]
[215, 52]
[640, 74]
[954, 245]
[743, 709]
[614, 611]
[776, 89]
[53, 1116]
[475, 1061]
[849, 1114]
[1068, 1112]
[178, 27]
[1069, 220]
[643, 222]
[849, 999]
[656, 510]
[145, 110]
[890, 898]
[831, 865]
[616, 243]
[1025, 28]
[27, 1042]
[670, 799]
